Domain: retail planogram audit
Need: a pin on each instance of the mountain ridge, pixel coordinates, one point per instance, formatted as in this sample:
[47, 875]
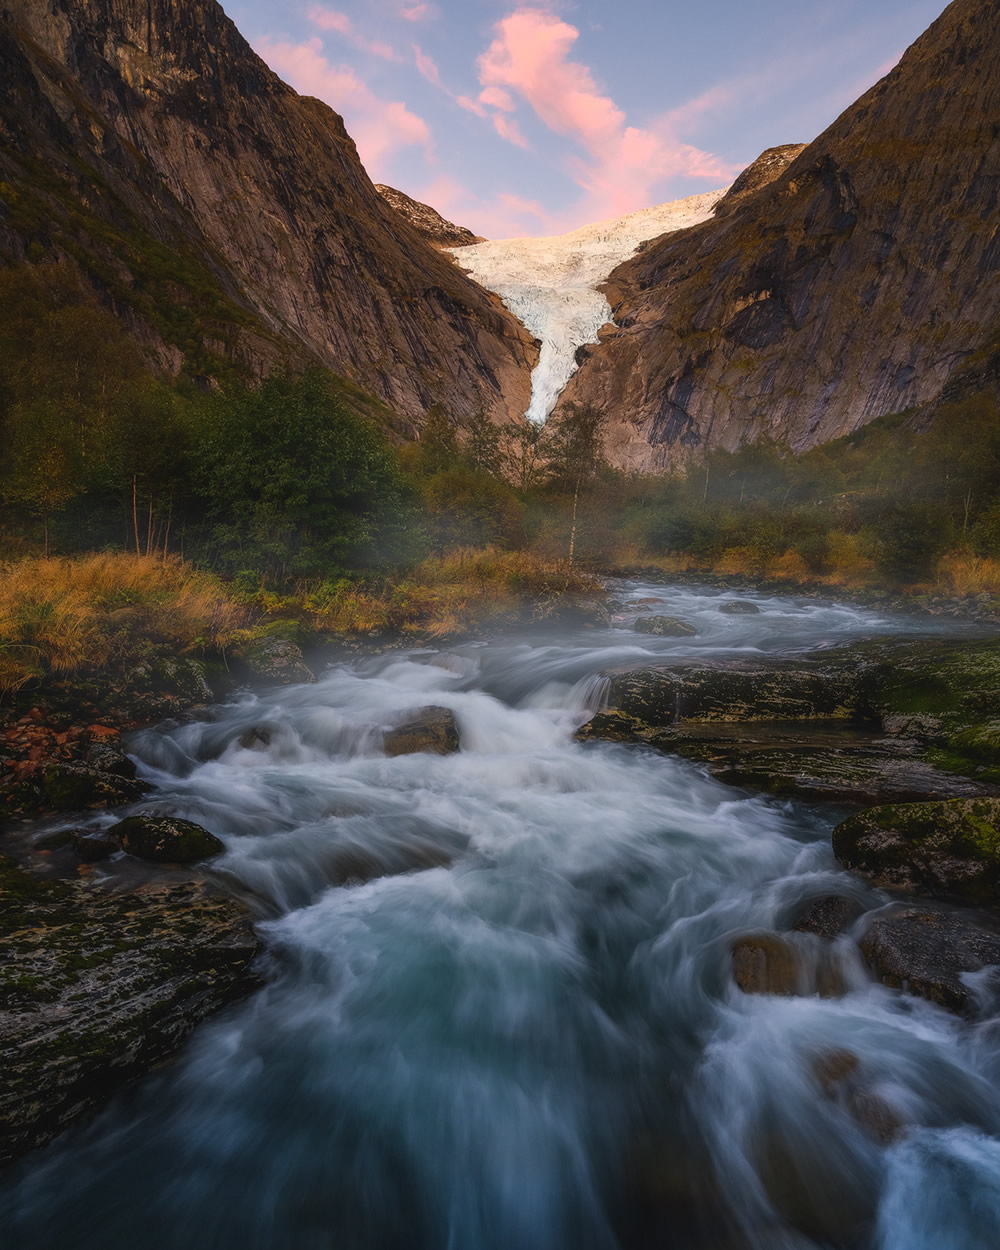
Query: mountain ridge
[856, 284]
[147, 141]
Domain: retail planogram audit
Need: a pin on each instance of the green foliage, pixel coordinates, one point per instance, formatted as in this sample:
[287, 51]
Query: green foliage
[294, 483]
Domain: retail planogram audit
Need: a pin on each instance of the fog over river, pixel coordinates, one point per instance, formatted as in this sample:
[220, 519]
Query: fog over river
[520, 1030]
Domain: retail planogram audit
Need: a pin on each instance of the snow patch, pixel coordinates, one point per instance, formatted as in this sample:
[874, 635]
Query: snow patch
[551, 283]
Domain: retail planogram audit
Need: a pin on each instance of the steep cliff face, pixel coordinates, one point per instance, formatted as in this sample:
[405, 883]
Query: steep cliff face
[428, 221]
[229, 219]
[861, 281]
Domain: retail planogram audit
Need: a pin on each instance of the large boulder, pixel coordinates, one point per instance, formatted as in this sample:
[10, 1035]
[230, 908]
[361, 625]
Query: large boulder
[276, 661]
[739, 607]
[165, 839]
[931, 951]
[97, 987]
[945, 849]
[429, 729]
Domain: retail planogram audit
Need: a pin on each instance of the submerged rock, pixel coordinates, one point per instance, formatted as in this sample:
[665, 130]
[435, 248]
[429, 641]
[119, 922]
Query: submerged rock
[931, 951]
[829, 916]
[165, 839]
[93, 845]
[739, 607]
[766, 963]
[664, 627]
[429, 729]
[947, 850]
[97, 987]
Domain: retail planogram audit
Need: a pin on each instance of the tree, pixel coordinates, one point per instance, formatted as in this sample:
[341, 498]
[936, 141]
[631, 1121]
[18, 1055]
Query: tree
[575, 450]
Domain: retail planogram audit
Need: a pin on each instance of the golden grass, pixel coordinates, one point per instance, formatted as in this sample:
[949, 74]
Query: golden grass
[67, 615]
[449, 594]
[962, 573]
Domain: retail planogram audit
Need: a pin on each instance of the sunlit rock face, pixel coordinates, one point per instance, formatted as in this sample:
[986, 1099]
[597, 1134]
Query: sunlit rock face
[859, 282]
[553, 284]
[168, 146]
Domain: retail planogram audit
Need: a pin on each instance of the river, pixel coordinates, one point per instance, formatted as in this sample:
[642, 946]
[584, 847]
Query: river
[520, 1030]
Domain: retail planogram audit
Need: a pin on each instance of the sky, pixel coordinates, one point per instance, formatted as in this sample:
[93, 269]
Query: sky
[535, 119]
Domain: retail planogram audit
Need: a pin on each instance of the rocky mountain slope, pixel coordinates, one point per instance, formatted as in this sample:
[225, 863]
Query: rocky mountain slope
[859, 282]
[428, 221]
[226, 217]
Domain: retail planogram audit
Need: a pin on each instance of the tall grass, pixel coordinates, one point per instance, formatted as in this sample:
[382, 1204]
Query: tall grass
[67, 615]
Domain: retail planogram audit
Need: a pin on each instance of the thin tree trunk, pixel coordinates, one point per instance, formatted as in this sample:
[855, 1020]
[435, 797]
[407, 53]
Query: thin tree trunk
[968, 505]
[135, 516]
[572, 533]
[704, 494]
[46, 524]
[170, 515]
[149, 527]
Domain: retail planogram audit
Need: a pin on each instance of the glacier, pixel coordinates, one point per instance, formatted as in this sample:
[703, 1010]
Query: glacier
[551, 283]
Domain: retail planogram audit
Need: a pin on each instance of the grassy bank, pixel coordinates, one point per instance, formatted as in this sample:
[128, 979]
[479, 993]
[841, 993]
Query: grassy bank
[66, 616]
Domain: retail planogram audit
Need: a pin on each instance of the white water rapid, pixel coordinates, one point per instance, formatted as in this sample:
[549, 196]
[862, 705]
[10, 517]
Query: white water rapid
[551, 283]
[498, 1011]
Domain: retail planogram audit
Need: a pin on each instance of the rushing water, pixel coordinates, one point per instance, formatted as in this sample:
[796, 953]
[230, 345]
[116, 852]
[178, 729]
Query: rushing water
[499, 1012]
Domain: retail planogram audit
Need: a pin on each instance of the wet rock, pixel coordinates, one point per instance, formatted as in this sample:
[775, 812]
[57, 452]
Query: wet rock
[829, 916]
[257, 738]
[430, 729]
[930, 951]
[664, 627]
[108, 757]
[739, 607]
[565, 610]
[766, 963]
[737, 691]
[165, 839]
[98, 987]
[947, 850]
[73, 787]
[841, 1078]
[277, 662]
[94, 845]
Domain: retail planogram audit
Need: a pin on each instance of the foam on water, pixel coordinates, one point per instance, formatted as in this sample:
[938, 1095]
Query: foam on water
[499, 1012]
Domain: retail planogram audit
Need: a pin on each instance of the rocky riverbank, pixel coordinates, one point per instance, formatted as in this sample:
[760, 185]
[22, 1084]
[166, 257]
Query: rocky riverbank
[913, 727]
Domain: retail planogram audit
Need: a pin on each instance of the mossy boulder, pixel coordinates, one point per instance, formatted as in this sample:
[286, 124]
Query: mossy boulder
[739, 607]
[429, 729]
[99, 986]
[664, 627]
[276, 661]
[948, 849]
[73, 787]
[166, 839]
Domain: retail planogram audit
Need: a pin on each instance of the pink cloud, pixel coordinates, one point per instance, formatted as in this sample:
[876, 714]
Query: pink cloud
[472, 106]
[530, 58]
[379, 127]
[507, 128]
[416, 12]
[426, 66]
[505, 217]
[497, 98]
[331, 19]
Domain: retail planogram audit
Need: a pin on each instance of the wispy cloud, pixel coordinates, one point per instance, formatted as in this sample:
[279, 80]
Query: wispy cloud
[530, 59]
[503, 216]
[333, 20]
[379, 127]
[417, 12]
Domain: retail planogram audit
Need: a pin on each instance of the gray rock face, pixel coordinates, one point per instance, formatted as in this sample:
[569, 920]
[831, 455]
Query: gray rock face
[252, 197]
[171, 954]
[857, 283]
[930, 951]
[165, 839]
[430, 729]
